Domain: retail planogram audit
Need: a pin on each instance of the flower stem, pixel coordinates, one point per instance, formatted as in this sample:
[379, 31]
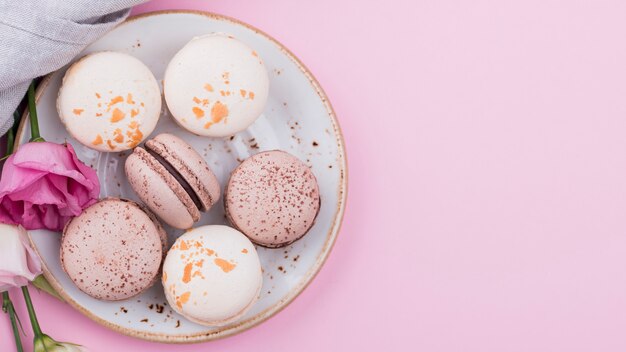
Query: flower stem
[11, 137]
[32, 114]
[10, 141]
[31, 313]
[7, 307]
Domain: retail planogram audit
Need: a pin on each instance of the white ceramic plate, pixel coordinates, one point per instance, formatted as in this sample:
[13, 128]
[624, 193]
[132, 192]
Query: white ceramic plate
[298, 119]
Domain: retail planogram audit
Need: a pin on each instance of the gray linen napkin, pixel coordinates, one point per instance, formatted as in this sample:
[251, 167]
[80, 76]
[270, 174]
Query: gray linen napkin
[41, 36]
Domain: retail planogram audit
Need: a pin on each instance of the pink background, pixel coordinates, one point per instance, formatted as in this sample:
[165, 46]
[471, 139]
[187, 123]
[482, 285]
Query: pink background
[487, 164]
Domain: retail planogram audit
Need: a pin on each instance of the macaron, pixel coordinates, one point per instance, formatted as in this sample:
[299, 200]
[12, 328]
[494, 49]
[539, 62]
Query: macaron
[273, 198]
[216, 86]
[109, 101]
[172, 179]
[212, 275]
[113, 250]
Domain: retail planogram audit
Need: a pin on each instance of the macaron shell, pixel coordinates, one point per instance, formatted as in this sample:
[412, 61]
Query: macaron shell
[113, 250]
[216, 86]
[223, 322]
[153, 218]
[212, 275]
[159, 190]
[109, 101]
[192, 167]
[273, 198]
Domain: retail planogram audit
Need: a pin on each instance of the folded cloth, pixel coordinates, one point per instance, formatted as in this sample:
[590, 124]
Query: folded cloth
[41, 36]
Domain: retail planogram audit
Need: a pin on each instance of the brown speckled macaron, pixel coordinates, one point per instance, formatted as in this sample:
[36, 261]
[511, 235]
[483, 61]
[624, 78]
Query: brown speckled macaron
[273, 198]
[113, 250]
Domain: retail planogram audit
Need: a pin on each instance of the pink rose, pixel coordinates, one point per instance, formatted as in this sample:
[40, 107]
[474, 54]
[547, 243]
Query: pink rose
[44, 184]
[18, 262]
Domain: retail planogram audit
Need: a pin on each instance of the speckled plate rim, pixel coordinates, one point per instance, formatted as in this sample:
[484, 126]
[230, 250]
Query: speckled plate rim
[311, 273]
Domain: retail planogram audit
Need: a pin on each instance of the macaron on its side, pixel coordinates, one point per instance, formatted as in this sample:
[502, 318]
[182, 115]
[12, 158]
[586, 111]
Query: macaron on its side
[109, 101]
[190, 165]
[113, 250]
[273, 198]
[160, 190]
[216, 86]
[212, 275]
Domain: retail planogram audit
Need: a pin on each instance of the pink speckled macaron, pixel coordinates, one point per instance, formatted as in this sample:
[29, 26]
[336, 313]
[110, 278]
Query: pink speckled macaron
[113, 249]
[273, 198]
[172, 179]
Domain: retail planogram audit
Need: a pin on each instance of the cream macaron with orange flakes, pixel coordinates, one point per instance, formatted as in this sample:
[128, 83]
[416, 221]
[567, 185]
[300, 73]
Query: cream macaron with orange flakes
[109, 101]
[216, 86]
[212, 275]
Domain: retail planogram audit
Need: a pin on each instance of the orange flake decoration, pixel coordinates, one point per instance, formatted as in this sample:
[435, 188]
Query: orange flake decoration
[111, 146]
[135, 137]
[255, 54]
[218, 112]
[187, 273]
[117, 115]
[243, 93]
[205, 102]
[209, 252]
[117, 99]
[225, 75]
[77, 111]
[224, 265]
[164, 276]
[133, 125]
[129, 99]
[198, 112]
[97, 140]
[98, 114]
[119, 138]
[196, 100]
[182, 299]
[183, 246]
[199, 263]
[208, 87]
[134, 112]
[244, 251]
[197, 273]
[97, 95]
[142, 105]
[251, 95]
[222, 93]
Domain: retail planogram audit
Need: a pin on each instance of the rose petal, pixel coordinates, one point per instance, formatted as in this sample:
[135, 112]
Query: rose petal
[44, 184]
[19, 264]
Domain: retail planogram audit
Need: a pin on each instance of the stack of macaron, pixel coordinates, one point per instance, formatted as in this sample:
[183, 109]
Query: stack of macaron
[215, 86]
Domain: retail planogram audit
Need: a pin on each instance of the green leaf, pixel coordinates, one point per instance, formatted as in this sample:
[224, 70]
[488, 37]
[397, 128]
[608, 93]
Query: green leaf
[41, 283]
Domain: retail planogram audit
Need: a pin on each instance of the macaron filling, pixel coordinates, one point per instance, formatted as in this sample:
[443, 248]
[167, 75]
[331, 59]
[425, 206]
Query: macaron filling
[177, 175]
